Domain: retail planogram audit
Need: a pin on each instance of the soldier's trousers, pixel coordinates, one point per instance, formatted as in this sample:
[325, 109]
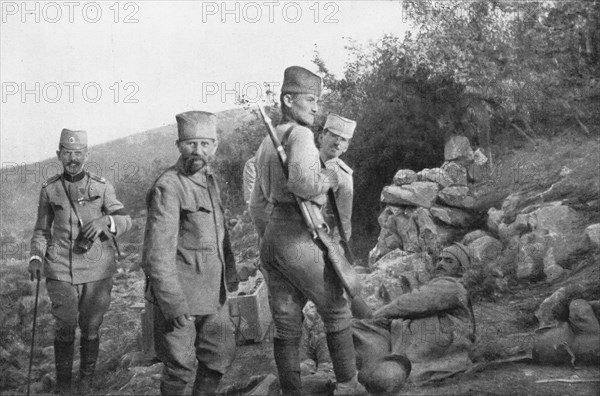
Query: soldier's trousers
[84, 305]
[208, 340]
[296, 272]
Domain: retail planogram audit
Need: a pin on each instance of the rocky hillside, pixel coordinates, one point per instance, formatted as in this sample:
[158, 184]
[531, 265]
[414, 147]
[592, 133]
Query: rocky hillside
[531, 225]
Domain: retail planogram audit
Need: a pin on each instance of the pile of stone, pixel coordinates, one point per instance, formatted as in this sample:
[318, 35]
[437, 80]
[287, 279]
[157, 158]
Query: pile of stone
[429, 209]
[425, 212]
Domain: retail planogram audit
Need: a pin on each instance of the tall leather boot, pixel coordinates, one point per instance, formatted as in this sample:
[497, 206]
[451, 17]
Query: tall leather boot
[88, 355]
[206, 382]
[288, 365]
[63, 360]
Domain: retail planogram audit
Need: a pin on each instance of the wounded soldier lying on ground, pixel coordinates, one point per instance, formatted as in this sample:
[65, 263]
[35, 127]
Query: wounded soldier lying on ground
[427, 333]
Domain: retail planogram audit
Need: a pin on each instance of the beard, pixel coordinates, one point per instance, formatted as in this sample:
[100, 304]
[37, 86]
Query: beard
[194, 163]
[73, 167]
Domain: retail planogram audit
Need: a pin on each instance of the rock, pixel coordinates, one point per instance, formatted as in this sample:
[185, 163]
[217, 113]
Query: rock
[565, 231]
[457, 196]
[428, 236]
[414, 194]
[452, 216]
[385, 214]
[593, 234]
[484, 250]
[473, 235]
[479, 157]
[553, 308]
[448, 234]
[494, 220]
[458, 148]
[553, 272]
[509, 207]
[520, 226]
[404, 176]
[435, 175]
[530, 257]
[456, 172]
[405, 228]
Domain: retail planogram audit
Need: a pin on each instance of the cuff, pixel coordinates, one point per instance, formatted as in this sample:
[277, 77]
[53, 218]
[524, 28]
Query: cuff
[36, 258]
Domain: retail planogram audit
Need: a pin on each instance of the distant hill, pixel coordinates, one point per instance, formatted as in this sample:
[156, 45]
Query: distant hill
[131, 164]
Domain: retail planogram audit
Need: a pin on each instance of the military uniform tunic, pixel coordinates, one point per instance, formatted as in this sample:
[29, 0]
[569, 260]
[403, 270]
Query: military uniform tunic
[57, 227]
[344, 194]
[295, 265]
[187, 256]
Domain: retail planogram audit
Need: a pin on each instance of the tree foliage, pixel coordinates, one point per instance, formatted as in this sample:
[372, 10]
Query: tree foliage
[478, 68]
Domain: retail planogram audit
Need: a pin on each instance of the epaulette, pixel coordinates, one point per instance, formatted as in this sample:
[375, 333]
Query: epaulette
[344, 166]
[97, 178]
[51, 180]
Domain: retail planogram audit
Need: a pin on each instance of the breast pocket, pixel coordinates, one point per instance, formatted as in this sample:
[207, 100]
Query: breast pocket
[196, 228]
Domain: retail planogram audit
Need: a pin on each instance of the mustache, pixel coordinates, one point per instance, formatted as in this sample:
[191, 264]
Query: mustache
[73, 163]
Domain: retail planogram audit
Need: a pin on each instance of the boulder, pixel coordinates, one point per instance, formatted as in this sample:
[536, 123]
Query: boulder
[435, 175]
[494, 220]
[404, 176]
[428, 236]
[456, 172]
[530, 256]
[452, 216]
[414, 194]
[593, 234]
[458, 148]
[457, 196]
[484, 250]
[521, 225]
[473, 235]
[553, 308]
[564, 231]
[405, 228]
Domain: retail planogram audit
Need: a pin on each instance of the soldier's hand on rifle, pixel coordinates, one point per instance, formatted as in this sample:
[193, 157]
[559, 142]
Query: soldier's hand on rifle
[180, 321]
[94, 228]
[35, 269]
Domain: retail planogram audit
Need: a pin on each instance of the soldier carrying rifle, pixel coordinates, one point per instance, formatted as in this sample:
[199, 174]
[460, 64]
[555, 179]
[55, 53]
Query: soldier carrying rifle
[295, 265]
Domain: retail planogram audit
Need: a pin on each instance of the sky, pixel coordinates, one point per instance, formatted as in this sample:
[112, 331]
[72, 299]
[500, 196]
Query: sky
[118, 68]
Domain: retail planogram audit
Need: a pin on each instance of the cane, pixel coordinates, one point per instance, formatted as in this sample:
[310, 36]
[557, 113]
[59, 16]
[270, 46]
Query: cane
[37, 293]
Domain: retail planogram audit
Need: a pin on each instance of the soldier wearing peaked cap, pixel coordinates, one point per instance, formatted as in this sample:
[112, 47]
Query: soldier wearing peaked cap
[73, 240]
[189, 264]
[333, 142]
[295, 266]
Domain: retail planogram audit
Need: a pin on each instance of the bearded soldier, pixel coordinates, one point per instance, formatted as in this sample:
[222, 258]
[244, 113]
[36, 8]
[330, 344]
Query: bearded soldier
[78, 217]
[189, 264]
[295, 266]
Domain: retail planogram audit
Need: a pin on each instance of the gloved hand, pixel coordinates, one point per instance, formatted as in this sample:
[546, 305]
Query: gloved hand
[35, 269]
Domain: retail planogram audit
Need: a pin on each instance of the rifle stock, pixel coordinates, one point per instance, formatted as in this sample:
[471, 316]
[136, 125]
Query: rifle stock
[319, 230]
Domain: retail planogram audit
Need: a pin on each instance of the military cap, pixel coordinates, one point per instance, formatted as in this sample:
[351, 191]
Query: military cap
[341, 126]
[299, 80]
[73, 140]
[196, 125]
[459, 252]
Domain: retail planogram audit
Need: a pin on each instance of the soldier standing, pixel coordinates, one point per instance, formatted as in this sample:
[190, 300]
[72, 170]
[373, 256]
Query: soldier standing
[295, 266]
[189, 264]
[78, 217]
[333, 142]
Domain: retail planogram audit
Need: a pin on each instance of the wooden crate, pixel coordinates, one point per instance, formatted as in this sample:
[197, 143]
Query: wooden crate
[249, 311]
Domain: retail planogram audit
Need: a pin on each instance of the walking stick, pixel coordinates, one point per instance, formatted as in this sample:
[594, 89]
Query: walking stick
[37, 293]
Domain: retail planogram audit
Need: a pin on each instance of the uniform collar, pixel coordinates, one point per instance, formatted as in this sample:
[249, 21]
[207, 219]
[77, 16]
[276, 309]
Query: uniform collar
[75, 178]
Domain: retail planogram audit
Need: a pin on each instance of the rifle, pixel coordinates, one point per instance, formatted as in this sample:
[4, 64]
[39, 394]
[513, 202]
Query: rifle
[319, 231]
